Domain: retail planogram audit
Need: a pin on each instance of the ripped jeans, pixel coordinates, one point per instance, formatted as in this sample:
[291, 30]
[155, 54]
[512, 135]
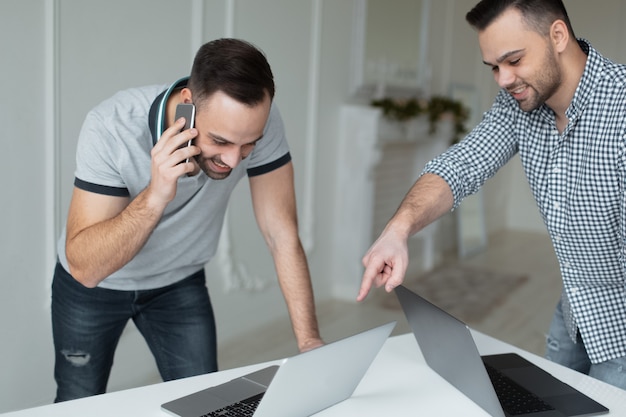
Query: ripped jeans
[176, 321]
[561, 349]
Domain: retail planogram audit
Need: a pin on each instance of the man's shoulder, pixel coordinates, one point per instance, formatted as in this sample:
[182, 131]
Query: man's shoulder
[615, 72]
[607, 69]
[135, 96]
[125, 105]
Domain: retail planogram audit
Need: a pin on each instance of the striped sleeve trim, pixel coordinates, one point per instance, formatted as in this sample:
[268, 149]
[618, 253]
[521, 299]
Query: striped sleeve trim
[101, 189]
[264, 169]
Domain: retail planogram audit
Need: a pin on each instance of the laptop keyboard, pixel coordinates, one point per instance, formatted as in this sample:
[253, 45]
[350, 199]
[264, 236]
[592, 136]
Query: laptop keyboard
[243, 408]
[515, 399]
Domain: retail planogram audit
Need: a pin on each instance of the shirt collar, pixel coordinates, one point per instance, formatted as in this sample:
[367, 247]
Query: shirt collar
[593, 70]
[156, 116]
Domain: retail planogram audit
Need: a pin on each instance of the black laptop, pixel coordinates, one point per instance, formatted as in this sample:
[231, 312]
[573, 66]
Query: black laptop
[504, 384]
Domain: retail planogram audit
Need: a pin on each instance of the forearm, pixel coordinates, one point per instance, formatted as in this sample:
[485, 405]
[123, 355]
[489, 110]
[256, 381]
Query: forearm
[295, 283]
[428, 199]
[387, 259]
[274, 203]
[99, 250]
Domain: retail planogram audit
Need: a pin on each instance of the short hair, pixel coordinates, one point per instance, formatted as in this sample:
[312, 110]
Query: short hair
[234, 67]
[538, 14]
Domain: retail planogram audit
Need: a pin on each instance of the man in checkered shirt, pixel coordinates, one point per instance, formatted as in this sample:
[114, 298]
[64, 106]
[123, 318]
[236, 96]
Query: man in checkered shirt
[562, 108]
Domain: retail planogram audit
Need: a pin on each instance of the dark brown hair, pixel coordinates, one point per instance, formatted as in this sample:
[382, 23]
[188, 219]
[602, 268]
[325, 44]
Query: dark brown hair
[233, 66]
[538, 14]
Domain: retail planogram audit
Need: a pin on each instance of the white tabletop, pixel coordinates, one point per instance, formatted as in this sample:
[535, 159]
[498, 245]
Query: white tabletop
[398, 381]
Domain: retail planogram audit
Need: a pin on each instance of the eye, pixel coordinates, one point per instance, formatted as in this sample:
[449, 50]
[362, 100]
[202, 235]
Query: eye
[494, 68]
[247, 148]
[515, 61]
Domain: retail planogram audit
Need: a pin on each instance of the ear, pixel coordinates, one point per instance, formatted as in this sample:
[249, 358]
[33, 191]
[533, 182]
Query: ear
[185, 94]
[559, 35]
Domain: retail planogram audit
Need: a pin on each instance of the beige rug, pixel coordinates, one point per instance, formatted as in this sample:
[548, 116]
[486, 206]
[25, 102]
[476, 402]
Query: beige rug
[468, 293]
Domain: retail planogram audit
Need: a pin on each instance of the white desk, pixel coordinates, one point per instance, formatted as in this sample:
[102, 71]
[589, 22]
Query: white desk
[398, 381]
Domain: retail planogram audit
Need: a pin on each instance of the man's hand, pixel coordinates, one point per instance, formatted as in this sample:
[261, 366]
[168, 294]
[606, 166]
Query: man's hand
[387, 260]
[385, 263]
[168, 161]
[311, 344]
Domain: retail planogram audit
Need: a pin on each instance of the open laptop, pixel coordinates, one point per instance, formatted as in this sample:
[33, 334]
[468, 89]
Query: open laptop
[300, 386]
[449, 349]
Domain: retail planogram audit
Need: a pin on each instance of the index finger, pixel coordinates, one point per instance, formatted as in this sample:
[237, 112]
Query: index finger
[372, 271]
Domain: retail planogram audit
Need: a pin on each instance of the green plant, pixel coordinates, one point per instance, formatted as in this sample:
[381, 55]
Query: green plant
[435, 107]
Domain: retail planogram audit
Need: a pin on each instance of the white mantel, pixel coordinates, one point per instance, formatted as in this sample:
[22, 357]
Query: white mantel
[378, 162]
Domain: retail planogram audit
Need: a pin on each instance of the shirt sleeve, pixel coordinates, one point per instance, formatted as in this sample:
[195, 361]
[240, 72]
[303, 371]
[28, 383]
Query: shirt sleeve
[489, 146]
[97, 159]
[272, 151]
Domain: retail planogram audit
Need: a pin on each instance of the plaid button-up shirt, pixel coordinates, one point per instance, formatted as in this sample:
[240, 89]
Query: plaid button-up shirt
[578, 179]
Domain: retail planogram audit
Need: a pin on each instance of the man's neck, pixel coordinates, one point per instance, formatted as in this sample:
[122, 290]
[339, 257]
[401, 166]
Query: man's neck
[573, 67]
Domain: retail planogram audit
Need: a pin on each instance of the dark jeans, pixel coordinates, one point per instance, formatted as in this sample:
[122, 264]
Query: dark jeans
[176, 321]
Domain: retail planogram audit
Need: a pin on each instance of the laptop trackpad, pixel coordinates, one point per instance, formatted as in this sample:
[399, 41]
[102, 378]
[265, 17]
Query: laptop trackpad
[196, 404]
[237, 389]
[538, 381]
[263, 376]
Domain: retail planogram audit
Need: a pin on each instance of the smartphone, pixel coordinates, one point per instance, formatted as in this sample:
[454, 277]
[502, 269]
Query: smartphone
[188, 111]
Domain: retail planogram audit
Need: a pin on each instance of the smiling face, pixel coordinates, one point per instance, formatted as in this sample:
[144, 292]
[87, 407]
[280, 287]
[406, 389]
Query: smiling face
[523, 61]
[227, 132]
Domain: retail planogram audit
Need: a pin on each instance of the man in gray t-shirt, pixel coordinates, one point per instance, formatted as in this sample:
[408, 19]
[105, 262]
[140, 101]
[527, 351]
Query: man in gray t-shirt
[146, 214]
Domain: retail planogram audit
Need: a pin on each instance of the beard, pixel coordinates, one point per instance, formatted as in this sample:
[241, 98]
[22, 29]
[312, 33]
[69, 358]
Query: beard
[545, 84]
[205, 165]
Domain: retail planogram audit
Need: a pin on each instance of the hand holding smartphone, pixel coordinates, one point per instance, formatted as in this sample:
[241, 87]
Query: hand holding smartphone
[188, 111]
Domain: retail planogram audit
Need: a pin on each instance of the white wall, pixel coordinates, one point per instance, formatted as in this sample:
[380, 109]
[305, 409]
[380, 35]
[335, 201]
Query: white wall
[25, 342]
[64, 56]
[61, 57]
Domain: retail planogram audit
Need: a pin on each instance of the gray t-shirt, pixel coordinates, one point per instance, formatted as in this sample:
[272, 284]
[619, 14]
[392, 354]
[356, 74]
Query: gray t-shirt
[113, 158]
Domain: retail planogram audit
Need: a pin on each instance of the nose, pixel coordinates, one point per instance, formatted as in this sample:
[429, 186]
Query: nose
[505, 78]
[232, 157]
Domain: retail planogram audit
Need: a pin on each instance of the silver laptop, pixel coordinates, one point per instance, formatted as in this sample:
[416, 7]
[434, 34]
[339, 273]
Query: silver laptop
[300, 386]
[503, 384]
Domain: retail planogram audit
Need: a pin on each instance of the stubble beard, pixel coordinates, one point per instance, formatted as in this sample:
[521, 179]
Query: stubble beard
[203, 164]
[545, 85]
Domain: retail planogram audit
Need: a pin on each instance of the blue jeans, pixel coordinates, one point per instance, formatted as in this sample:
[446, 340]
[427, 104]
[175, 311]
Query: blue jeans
[176, 321]
[561, 349]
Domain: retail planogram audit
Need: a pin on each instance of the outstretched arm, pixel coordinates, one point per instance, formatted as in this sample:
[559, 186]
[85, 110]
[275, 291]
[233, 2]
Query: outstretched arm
[387, 259]
[273, 197]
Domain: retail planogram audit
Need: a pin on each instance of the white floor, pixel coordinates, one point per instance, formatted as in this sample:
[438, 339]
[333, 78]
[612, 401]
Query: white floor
[521, 320]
